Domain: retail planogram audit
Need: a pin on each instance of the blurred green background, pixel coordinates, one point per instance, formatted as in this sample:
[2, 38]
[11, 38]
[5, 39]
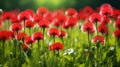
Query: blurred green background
[54, 4]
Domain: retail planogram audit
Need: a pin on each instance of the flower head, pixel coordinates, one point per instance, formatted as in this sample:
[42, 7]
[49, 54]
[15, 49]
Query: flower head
[71, 12]
[88, 27]
[95, 17]
[117, 23]
[62, 33]
[44, 23]
[117, 33]
[42, 11]
[56, 46]
[38, 36]
[103, 29]
[25, 47]
[16, 27]
[29, 23]
[98, 38]
[21, 36]
[29, 40]
[4, 35]
[53, 32]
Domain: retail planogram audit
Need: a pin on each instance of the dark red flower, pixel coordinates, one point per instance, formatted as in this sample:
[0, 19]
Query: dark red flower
[12, 34]
[88, 10]
[71, 13]
[53, 32]
[105, 20]
[88, 27]
[44, 23]
[72, 21]
[29, 40]
[29, 23]
[38, 36]
[16, 27]
[42, 11]
[25, 47]
[82, 15]
[106, 9]
[49, 17]
[62, 33]
[102, 28]
[4, 35]
[117, 23]
[95, 17]
[21, 36]
[98, 38]
[116, 14]
[117, 33]
[37, 18]
[56, 46]
[24, 16]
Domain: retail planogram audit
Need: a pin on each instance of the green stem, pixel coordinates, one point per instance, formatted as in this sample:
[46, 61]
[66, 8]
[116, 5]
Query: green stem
[96, 25]
[3, 46]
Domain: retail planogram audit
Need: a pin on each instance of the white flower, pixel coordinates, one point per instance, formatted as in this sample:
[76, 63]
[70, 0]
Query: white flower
[69, 51]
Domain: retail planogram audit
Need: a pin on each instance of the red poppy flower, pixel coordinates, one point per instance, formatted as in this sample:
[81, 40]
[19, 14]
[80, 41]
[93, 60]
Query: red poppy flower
[106, 10]
[44, 23]
[7, 15]
[62, 19]
[88, 10]
[66, 25]
[105, 20]
[14, 19]
[98, 38]
[16, 27]
[29, 23]
[53, 32]
[30, 11]
[24, 16]
[72, 21]
[37, 18]
[88, 27]
[95, 17]
[42, 11]
[56, 46]
[29, 40]
[25, 47]
[117, 23]
[82, 15]
[102, 28]
[62, 33]
[71, 12]
[56, 23]
[4, 35]
[116, 14]
[21, 36]
[117, 33]
[12, 34]
[49, 17]
[38, 36]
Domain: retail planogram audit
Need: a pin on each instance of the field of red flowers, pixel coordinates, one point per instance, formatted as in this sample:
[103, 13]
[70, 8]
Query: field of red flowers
[61, 38]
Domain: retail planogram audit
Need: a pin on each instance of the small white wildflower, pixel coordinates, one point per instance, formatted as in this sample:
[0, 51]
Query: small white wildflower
[112, 48]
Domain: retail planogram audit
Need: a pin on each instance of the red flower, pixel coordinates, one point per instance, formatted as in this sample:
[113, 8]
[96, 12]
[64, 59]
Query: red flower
[106, 10]
[56, 23]
[12, 34]
[56, 46]
[25, 47]
[38, 36]
[66, 25]
[62, 19]
[98, 38]
[30, 11]
[44, 23]
[117, 23]
[103, 29]
[71, 12]
[21, 36]
[29, 40]
[116, 14]
[49, 17]
[62, 33]
[29, 23]
[16, 27]
[37, 18]
[4, 35]
[72, 21]
[14, 19]
[7, 15]
[117, 33]
[24, 16]
[105, 20]
[53, 32]
[42, 11]
[88, 27]
[95, 17]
